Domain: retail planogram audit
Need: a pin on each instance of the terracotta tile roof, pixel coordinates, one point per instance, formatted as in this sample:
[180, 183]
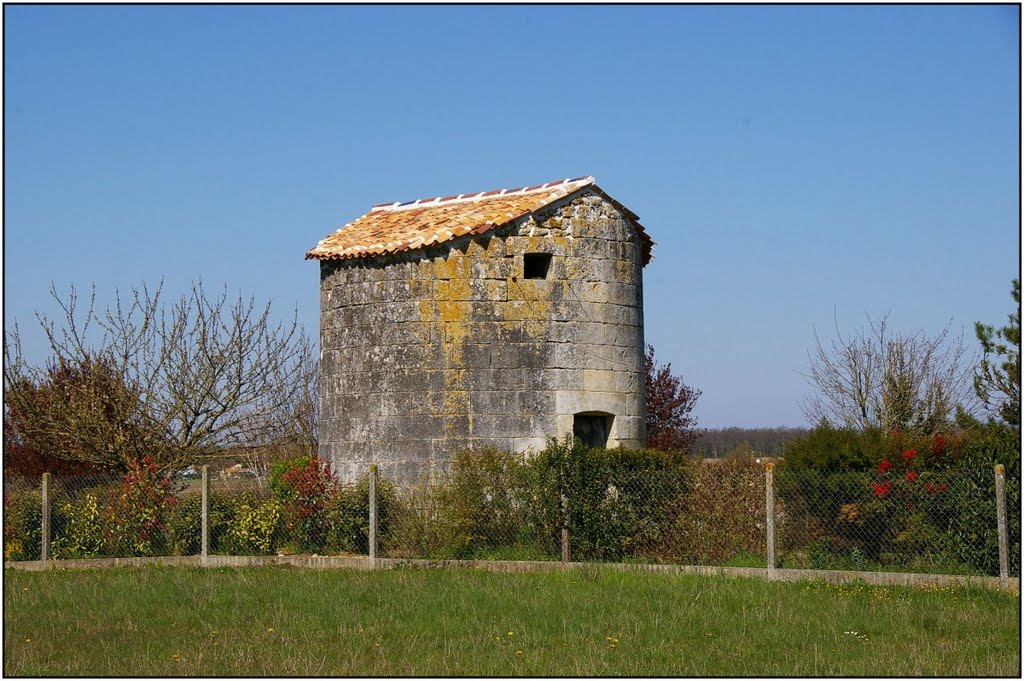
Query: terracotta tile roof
[396, 227]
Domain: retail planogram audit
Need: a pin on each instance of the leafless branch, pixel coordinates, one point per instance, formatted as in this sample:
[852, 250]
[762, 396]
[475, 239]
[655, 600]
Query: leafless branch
[879, 379]
[210, 370]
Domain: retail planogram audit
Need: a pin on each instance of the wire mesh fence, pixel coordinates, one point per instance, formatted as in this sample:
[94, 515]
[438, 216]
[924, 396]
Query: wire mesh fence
[935, 522]
[106, 515]
[712, 516]
[311, 513]
[696, 513]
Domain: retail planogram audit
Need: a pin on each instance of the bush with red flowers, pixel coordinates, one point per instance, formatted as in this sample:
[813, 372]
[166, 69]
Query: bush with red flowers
[902, 498]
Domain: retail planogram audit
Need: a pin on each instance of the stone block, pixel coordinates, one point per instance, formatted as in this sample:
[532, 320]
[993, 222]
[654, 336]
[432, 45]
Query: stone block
[414, 427]
[420, 289]
[517, 308]
[552, 379]
[629, 337]
[537, 402]
[420, 380]
[403, 403]
[628, 382]
[493, 267]
[630, 430]
[456, 427]
[608, 313]
[563, 355]
[538, 243]
[477, 355]
[505, 379]
[518, 356]
[497, 332]
[599, 249]
[562, 311]
[500, 425]
[491, 402]
[598, 380]
[490, 290]
[564, 331]
[593, 292]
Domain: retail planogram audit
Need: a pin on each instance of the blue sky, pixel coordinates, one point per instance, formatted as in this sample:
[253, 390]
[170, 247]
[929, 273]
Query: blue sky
[791, 162]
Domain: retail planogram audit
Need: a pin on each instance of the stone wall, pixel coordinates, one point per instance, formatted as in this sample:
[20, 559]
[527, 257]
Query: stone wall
[448, 348]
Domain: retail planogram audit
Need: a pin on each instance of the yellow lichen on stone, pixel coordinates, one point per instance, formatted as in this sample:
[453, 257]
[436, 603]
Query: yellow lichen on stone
[460, 289]
[574, 270]
[452, 310]
[529, 302]
[455, 266]
[624, 271]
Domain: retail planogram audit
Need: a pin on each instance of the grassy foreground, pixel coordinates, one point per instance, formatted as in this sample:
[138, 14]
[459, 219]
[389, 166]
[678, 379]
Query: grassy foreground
[281, 621]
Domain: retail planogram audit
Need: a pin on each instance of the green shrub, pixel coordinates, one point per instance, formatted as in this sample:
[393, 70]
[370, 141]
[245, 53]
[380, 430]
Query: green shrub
[903, 499]
[224, 506]
[619, 504]
[81, 527]
[969, 505]
[253, 530]
[494, 500]
[349, 515]
[620, 501]
[491, 505]
[23, 518]
[185, 526]
[281, 490]
[837, 449]
[983, 445]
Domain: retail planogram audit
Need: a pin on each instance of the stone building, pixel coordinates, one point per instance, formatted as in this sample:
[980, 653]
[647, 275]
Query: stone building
[498, 318]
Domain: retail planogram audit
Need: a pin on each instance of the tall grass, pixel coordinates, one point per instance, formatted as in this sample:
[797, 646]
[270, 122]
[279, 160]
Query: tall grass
[279, 621]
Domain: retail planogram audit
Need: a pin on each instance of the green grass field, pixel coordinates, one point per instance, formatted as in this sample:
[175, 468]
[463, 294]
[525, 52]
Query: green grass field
[281, 621]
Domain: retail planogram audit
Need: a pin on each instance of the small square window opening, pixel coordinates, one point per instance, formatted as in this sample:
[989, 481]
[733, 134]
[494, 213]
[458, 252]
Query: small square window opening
[536, 265]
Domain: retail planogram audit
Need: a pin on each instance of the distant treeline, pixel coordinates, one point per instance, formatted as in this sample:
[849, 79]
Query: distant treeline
[719, 442]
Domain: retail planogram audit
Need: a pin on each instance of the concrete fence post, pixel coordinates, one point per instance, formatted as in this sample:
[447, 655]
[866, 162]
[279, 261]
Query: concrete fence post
[204, 547]
[1004, 562]
[44, 549]
[565, 529]
[769, 514]
[372, 549]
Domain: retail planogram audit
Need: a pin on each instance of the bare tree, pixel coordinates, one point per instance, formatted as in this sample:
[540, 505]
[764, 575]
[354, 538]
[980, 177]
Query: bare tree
[295, 426]
[211, 371]
[880, 379]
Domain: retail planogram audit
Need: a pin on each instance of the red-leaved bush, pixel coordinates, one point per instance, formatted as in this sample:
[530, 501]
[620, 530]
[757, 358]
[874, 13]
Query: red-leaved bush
[138, 511]
[670, 425]
[306, 489]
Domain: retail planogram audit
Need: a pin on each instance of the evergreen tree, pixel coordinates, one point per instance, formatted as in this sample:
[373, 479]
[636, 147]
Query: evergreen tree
[997, 381]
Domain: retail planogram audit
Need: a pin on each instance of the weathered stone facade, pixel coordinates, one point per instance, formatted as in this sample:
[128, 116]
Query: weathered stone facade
[446, 348]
